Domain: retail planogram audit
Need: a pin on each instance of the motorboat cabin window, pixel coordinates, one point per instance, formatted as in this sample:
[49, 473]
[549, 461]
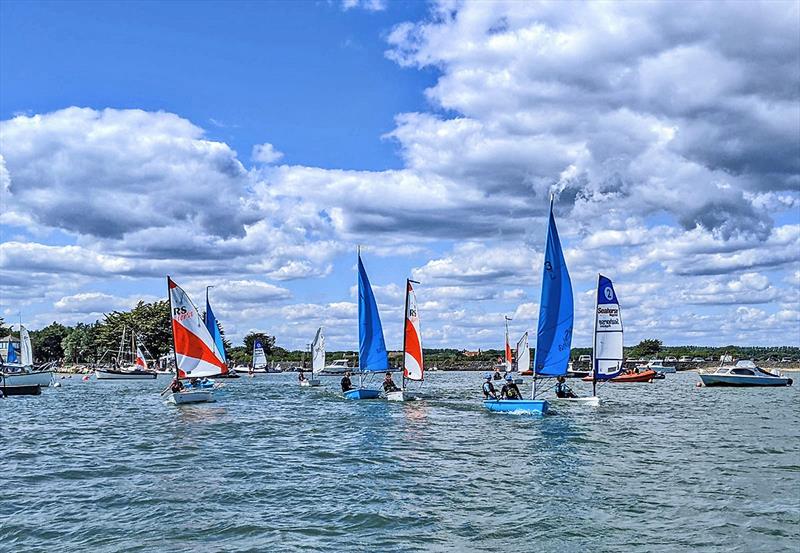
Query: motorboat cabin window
[742, 371]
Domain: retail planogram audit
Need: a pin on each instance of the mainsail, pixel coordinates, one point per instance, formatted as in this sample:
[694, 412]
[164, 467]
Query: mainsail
[508, 360]
[372, 355]
[213, 329]
[608, 335]
[141, 363]
[259, 357]
[26, 351]
[195, 351]
[318, 352]
[554, 334]
[413, 368]
[523, 354]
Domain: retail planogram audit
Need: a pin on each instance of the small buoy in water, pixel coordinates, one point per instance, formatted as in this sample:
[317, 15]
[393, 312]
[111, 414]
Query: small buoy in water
[57, 385]
[85, 378]
[698, 385]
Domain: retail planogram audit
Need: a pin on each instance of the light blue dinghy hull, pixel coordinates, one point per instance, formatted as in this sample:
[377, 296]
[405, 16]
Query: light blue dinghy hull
[533, 406]
[362, 393]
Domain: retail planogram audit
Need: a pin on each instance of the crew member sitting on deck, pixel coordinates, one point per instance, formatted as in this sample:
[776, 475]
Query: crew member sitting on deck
[562, 390]
[176, 386]
[346, 384]
[488, 387]
[388, 384]
[302, 376]
[510, 389]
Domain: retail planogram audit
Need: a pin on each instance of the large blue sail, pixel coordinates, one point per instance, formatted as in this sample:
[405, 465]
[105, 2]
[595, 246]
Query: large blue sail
[213, 329]
[372, 354]
[554, 336]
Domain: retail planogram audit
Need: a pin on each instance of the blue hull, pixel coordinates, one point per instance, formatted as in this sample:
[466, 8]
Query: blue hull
[362, 393]
[533, 406]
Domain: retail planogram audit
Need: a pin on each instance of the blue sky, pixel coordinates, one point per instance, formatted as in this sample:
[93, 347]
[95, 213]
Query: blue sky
[253, 145]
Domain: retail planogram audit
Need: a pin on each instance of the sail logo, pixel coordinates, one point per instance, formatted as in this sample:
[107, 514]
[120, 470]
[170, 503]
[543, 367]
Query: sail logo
[609, 293]
[181, 314]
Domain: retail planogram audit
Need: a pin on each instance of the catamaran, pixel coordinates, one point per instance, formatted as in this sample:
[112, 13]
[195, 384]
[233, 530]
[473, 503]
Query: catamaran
[554, 332]
[413, 366]
[317, 360]
[137, 371]
[196, 353]
[18, 372]
[372, 354]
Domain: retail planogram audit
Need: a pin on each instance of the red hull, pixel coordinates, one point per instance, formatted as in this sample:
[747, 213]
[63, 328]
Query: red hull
[644, 376]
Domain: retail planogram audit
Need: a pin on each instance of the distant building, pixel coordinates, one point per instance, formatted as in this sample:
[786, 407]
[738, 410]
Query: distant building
[471, 353]
[4, 341]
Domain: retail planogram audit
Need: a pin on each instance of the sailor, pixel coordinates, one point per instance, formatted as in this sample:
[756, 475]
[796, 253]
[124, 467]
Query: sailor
[388, 383]
[177, 386]
[510, 390]
[301, 377]
[497, 375]
[488, 387]
[562, 390]
[346, 384]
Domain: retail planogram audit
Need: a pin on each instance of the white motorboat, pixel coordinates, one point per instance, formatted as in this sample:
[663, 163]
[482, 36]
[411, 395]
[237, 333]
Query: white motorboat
[337, 368]
[658, 366]
[744, 373]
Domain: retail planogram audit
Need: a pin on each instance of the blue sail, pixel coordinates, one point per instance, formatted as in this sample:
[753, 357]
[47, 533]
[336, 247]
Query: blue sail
[12, 356]
[554, 336]
[372, 354]
[213, 329]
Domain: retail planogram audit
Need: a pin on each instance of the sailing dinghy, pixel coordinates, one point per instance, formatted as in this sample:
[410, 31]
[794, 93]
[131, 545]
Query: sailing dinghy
[372, 354]
[196, 353]
[317, 360]
[413, 366]
[554, 333]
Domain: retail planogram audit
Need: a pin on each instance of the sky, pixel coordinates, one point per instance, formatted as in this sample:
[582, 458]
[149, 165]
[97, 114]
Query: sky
[253, 146]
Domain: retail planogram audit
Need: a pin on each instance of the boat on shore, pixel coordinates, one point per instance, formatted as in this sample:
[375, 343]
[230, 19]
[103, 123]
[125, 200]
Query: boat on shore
[744, 373]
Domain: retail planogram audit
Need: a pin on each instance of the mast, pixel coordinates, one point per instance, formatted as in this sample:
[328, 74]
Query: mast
[594, 338]
[405, 322]
[172, 331]
[360, 369]
[121, 345]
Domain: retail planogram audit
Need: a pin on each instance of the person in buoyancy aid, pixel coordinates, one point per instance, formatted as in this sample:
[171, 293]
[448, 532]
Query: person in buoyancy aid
[302, 376]
[488, 388]
[510, 390]
[176, 386]
[346, 384]
[497, 375]
[388, 383]
[562, 390]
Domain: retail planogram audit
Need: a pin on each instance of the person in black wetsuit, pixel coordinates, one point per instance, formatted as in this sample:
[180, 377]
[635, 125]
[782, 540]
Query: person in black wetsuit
[388, 384]
[346, 384]
[562, 390]
[510, 390]
[488, 388]
[302, 376]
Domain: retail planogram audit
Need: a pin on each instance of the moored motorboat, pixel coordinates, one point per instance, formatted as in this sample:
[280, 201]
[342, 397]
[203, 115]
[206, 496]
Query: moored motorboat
[337, 368]
[658, 366]
[744, 373]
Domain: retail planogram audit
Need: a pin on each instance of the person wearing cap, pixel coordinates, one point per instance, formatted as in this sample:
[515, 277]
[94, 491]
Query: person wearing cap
[562, 390]
[346, 384]
[510, 390]
[388, 383]
[488, 388]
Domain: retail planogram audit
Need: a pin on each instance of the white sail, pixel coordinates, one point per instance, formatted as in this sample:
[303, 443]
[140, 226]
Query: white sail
[523, 354]
[413, 367]
[608, 334]
[259, 357]
[26, 351]
[318, 352]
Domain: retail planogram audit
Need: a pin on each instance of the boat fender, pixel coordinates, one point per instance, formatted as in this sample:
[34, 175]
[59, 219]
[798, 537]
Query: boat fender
[699, 385]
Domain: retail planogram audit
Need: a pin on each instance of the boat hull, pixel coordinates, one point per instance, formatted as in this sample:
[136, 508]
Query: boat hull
[192, 396]
[108, 374]
[311, 383]
[36, 378]
[644, 376]
[591, 400]
[362, 393]
[32, 390]
[744, 381]
[533, 406]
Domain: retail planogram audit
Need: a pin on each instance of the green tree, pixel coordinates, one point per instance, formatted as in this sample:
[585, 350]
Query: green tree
[47, 342]
[150, 322]
[646, 348]
[79, 343]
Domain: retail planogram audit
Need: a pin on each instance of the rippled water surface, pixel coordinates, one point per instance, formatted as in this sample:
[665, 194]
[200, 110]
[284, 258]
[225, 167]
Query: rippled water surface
[107, 466]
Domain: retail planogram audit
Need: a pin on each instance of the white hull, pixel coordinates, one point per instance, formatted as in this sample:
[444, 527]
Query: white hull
[396, 396]
[742, 380]
[310, 383]
[193, 396]
[124, 375]
[591, 400]
[40, 378]
[244, 371]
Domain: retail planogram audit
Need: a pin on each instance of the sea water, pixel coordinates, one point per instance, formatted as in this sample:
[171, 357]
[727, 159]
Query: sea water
[108, 466]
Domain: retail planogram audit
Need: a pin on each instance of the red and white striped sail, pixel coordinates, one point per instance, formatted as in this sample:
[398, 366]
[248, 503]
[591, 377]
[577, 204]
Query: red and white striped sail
[141, 363]
[508, 360]
[195, 350]
[413, 367]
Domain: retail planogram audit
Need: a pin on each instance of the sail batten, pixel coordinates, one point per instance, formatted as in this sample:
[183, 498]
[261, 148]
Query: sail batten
[195, 352]
[372, 354]
[607, 349]
[413, 367]
[554, 333]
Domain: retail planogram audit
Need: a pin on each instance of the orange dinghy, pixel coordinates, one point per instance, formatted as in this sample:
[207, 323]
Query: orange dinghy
[644, 376]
